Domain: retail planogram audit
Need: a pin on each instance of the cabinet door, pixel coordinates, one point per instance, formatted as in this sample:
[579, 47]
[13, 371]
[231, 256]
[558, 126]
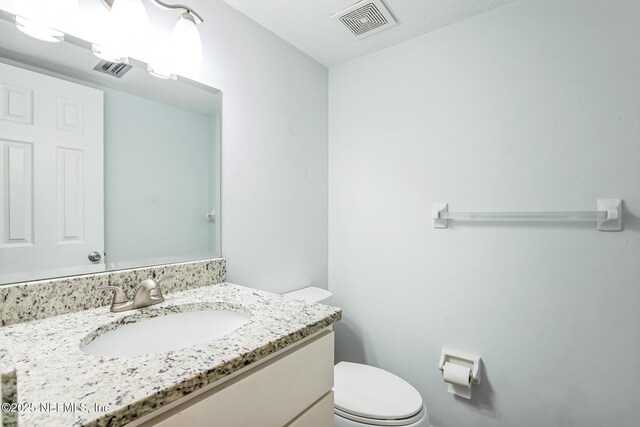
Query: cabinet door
[271, 395]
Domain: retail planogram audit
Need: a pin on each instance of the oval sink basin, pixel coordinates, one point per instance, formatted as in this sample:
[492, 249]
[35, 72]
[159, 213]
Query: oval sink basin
[167, 332]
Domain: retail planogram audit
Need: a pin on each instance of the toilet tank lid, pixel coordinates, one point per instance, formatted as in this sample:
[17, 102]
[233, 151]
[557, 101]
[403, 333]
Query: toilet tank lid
[373, 393]
[310, 294]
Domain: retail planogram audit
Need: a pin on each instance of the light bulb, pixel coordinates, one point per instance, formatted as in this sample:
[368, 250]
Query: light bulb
[38, 30]
[185, 45]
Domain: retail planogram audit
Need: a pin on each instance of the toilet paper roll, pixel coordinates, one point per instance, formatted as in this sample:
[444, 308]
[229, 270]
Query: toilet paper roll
[457, 374]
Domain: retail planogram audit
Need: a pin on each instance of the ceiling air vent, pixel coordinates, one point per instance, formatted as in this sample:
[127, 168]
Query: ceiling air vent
[115, 69]
[366, 17]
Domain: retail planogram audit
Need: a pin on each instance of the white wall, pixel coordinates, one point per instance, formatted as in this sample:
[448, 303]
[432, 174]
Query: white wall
[534, 106]
[274, 151]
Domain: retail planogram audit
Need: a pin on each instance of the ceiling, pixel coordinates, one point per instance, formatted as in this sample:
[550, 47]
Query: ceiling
[308, 25]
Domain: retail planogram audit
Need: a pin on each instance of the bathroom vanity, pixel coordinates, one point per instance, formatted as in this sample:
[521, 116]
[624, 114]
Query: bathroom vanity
[293, 388]
[275, 370]
[118, 174]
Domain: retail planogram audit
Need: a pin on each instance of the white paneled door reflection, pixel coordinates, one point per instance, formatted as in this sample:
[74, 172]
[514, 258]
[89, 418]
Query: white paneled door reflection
[51, 172]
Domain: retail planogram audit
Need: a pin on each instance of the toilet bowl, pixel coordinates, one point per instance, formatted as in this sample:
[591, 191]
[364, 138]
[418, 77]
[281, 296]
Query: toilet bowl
[365, 395]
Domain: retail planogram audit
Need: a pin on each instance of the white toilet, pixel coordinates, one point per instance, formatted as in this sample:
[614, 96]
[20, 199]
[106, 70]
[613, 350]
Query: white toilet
[368, 396]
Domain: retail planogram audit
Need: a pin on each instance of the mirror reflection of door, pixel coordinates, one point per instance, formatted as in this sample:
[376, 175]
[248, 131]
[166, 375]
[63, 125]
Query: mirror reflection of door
[51, 172]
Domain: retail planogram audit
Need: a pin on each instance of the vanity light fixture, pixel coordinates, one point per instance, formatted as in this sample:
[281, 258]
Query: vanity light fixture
[184, 52]
[38, 30]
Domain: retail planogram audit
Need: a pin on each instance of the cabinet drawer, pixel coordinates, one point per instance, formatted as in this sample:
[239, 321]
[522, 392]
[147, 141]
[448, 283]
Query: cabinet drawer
[319, 415]
[270, 395]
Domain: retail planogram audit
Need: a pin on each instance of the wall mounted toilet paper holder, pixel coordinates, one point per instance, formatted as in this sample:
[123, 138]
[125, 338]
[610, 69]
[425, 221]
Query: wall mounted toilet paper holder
[461, 358]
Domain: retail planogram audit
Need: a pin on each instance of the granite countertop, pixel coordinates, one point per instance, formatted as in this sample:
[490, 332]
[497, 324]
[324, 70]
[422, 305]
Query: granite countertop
[54, 376]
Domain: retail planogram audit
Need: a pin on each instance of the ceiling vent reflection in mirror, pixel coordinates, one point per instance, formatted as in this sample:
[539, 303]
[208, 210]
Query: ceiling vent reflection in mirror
[115, 69]
[366, 17]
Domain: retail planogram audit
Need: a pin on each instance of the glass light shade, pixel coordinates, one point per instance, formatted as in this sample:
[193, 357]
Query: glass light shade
[130, 29]
[130, 13]
[46, 19]
[62, 14]
[38, 30]
[185, 45]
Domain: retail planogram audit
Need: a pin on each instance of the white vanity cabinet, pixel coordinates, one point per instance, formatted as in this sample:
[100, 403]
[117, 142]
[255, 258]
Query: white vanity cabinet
[292, 388]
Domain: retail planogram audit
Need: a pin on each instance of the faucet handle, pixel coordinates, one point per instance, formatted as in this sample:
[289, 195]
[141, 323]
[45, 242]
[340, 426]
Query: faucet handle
[160, 279]
[119, 296]
[155, 285]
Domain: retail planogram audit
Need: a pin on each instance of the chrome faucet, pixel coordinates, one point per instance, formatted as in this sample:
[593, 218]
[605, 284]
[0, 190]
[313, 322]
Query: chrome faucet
[148, 293]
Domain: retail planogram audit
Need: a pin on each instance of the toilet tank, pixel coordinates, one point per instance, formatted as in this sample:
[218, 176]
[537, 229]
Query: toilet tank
[310, 294]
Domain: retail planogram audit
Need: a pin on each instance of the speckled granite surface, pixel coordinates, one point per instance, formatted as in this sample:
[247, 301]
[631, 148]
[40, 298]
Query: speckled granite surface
[23, 302]
[51, 367]
[7, 385]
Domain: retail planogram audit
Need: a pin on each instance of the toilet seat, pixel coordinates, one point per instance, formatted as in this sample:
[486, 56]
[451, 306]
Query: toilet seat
[373, 396]
[382, 423]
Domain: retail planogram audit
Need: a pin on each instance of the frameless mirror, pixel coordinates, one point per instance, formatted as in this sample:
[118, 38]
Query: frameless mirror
[102, 166]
